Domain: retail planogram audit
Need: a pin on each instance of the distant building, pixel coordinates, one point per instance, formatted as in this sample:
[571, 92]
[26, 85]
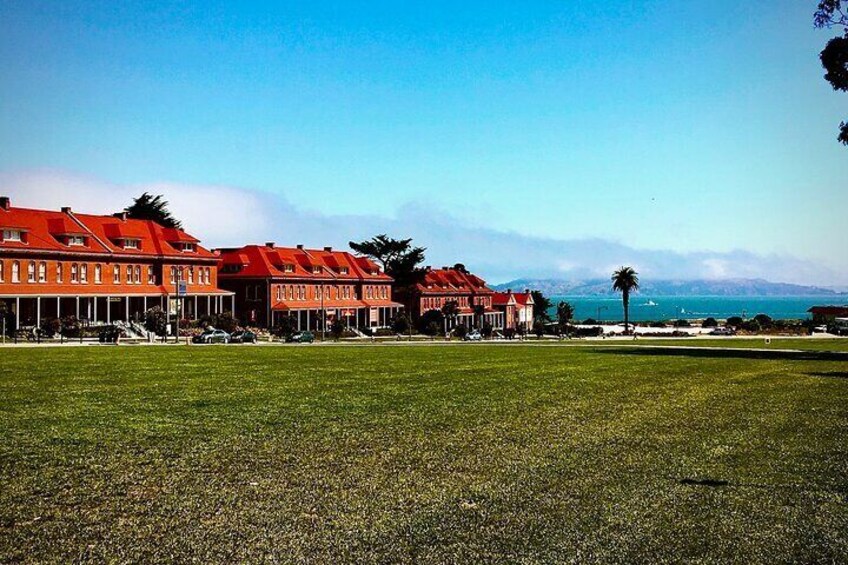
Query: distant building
[100, 269]
[270, 282]
[517, 308]
[828, 314]
[455, 284]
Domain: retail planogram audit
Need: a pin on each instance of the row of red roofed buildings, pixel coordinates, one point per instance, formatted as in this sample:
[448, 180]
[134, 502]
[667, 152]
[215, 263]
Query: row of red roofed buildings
[105, 269]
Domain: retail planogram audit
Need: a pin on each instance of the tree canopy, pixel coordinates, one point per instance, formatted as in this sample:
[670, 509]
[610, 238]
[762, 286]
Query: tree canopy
[541, 306]
[398, 257]
[149, 207]
[834, 56]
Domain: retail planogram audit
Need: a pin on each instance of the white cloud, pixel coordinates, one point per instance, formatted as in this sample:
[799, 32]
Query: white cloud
[229, 216]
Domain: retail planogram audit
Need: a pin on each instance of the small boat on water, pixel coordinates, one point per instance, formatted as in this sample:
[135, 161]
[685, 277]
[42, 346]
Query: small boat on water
[650, 303]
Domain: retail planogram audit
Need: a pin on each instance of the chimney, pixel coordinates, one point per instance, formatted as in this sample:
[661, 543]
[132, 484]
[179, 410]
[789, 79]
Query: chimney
[120, 215]
[269, 244]
[509, 291]
[328, 249]
[526, 291]
[300, 246]
[5, 203]
[445, 268]
[66, 209]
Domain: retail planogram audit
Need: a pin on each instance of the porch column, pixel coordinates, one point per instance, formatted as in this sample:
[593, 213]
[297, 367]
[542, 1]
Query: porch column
[233, 300]
[127, 309]
[144, 303]
[108, 309]
[95, 309]
[59, 307]
[208, 305]
[195, 306]
[78, 308]
[37, 311]
[17, 312]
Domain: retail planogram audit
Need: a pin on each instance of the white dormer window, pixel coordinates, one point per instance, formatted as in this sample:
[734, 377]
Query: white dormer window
[12, 235]
[316, 270]
[343, 270]
[288, 268]
[186, 247]
[76, 240]
[131, 244]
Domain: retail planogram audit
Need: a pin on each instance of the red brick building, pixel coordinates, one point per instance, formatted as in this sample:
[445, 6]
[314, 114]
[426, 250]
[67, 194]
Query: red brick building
[270, 282]
[455, 284]
[101, 269]
[517, 308]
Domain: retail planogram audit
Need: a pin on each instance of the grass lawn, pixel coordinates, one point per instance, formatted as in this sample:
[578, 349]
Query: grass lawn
[420, 454]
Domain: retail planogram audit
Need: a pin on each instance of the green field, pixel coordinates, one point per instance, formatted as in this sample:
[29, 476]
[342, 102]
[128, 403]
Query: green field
[421, 454]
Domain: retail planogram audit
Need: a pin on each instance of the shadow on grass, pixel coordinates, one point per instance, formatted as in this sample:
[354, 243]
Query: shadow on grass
[729, 353]
[830, 374]
[704, 482]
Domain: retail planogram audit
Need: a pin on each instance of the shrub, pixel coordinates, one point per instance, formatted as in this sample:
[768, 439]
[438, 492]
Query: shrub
[401, 324]
[50, 326]
[428, 320]
[460, 331]
[682, 323]
[538, 328]
[657, 324]
[735, 321]
[70, 326]
[764, 321]
[155, 321]
[590, 322]
[286, 326]
[337, 328]
[710, 323]
[487, 329]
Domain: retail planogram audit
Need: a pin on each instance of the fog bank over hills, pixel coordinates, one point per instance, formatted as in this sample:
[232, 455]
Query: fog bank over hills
[695, 287]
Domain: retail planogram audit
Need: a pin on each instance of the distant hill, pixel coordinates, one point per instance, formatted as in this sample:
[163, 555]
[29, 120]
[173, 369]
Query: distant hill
[698, 287]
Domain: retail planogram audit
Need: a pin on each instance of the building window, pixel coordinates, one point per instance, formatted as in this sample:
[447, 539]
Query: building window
[129, 278]
[343, 270]
[60, 271]
[116, 274]
[130, 244]
[31, 271]
[98, 273]
[151, 278]
[74, 273]
[138, 274]
[42, 272]
[173, 275]
[288, 268]
[12, 235]
[83, 273]
[2, 272]
[76, 240]
[187, 247]
[191, 275]
[16, 272]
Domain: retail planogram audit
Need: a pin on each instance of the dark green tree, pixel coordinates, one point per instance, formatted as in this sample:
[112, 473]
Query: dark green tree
[149, 207]
[625, 281]
[565, 312]
[398, 257]
[155, 321]
[541, 306]
[450, 311]
[286, 326]
[834, 56]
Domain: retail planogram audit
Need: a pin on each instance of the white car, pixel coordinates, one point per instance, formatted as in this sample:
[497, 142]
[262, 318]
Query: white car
[473, 335]
[213, 336]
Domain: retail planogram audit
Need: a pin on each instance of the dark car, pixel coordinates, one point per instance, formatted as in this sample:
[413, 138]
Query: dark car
[300, 337]
[245, 336]
[110, 334]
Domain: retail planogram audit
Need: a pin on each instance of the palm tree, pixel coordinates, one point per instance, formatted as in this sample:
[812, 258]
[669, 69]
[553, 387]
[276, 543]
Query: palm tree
[624, 280]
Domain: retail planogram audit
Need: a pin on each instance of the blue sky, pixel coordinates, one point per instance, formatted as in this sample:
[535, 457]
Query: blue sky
[679, 127]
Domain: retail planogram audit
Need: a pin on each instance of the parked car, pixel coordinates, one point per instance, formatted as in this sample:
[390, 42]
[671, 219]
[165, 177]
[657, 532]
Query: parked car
[473, 335]
[211, 335]
[243, 336]
[820, 330]
[300, 337]
[110, 334]
[722, 331]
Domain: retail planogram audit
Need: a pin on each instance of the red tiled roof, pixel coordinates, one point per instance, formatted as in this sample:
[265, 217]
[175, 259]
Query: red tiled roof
[261, 261]
[829, 310]
[44, 229]
[452, 281]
